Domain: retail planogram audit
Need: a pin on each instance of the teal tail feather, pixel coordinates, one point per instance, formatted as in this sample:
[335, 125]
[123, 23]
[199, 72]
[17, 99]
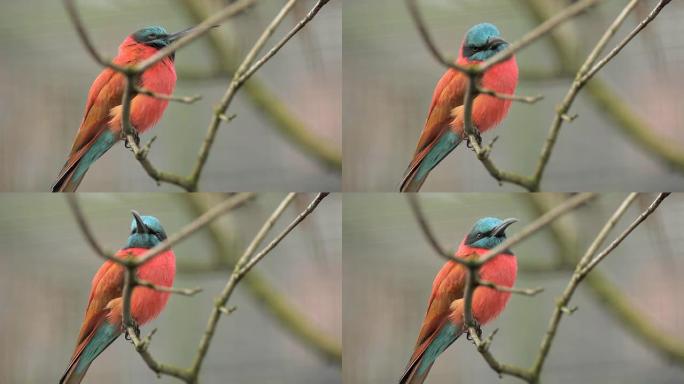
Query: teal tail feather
[78, 163]
[427, 159]
[425, 355]
[90, 348]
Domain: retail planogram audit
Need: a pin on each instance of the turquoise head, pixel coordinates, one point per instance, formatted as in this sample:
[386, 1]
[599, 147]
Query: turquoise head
[157, 37]
[482, 42]
[146, 232]
[488, 232]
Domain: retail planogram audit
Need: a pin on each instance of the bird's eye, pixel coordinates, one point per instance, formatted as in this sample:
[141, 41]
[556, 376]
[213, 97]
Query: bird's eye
[152, 36]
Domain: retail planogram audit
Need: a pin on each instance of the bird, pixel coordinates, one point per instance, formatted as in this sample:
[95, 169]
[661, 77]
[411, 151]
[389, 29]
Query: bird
[444, 130]
[101, 125]
[444, 321]
[103, 321]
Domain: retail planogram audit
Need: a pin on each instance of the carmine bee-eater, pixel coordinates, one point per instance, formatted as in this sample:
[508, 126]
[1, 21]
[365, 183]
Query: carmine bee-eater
[101, 125]
[443, 129]
[103, 317]
[444, 321]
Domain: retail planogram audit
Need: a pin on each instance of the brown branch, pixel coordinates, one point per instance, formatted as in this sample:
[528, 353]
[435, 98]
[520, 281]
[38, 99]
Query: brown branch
[503, 96]
[241, 268]
[257, 92]
[212, 214]
[179, 291]
[579, 275]
[244, 71]
[501, 288]
[609, 102]
[576, 86]
[161, 96]
[267, 296]
[615, 302]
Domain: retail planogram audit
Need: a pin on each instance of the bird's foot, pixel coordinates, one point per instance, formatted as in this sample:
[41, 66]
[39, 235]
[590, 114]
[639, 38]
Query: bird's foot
[478, 330]
[478, 138]
[136, 329]
[136, 138]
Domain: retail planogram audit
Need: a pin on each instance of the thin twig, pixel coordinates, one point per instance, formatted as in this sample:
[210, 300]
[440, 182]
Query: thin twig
[522, 99]
[501, 288]
[601, 63]
[161, 96]
[179, 291]
[199, 223]
[87, 231]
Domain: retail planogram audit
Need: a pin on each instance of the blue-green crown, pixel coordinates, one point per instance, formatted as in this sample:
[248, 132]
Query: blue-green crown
[482, 42]
[488, 232]
[152, 35]
[145, 233]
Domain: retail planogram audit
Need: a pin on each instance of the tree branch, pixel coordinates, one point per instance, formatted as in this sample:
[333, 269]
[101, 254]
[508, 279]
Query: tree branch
[161, 96]
[239, 271]
[579, 275]
[268, 296]
[268, 104]
[609, 102]
[244, 71]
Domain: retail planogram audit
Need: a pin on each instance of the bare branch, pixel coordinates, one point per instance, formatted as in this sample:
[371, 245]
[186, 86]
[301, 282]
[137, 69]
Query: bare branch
[156, 95]
[592, 264]
[243, 266]
[243, 73]
[234, 8]
[179, 291]
[87, 231]
[580, 81]
[520, 291]
[601, 63]
[541, 222]
[578, 275]
[523, 99]
[199, 223]
[427, 231]
[85, 38]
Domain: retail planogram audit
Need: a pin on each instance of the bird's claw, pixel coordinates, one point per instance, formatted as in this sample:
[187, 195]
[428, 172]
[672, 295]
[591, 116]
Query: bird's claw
[136, 329]
[478, 331]
[478, 138]
[136, 138]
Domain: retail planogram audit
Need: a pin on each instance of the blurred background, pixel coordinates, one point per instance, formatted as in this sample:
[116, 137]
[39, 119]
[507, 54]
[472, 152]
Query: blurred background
[45, 74]
[46, 268]
[389, 267]
[389, 77]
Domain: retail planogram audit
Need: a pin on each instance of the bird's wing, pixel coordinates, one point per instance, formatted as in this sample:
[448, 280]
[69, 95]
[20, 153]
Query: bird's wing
[104, 94]
[448, 95]
[448, 286]
[107, 285]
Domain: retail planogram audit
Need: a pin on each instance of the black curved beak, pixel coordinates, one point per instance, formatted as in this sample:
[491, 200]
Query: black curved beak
[495, 42]
[175, 36]
[141, 228]
[501, 228]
